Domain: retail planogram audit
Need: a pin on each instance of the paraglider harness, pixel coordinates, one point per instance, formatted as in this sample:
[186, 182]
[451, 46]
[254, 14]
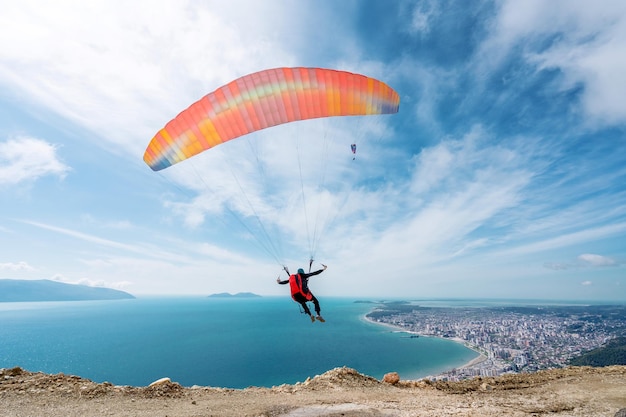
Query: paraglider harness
[295, 286]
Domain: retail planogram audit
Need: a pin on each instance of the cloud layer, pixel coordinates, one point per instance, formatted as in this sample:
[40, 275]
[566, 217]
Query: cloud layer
[505, 164]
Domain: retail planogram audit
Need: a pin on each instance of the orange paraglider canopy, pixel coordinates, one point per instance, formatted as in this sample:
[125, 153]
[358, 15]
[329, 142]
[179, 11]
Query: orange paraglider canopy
[264, 99]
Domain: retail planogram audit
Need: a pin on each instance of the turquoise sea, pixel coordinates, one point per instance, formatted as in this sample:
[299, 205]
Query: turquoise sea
[232, 343]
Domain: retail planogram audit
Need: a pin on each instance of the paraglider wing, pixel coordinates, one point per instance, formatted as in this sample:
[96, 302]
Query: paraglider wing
[264, 99]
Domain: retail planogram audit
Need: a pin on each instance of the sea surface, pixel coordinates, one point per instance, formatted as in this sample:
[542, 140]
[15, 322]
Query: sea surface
[233, 343]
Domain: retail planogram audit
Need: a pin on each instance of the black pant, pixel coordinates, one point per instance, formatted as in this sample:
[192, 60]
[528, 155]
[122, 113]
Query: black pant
[299, 298]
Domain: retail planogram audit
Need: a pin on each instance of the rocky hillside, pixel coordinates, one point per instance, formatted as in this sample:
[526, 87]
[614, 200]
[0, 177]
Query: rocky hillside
[575, 391]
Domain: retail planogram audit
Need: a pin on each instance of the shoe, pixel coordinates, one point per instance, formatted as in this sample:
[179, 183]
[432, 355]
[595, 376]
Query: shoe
[320, 318]
[312, 319]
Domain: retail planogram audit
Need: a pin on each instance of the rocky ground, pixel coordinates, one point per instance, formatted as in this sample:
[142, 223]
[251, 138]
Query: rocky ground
[579, 391]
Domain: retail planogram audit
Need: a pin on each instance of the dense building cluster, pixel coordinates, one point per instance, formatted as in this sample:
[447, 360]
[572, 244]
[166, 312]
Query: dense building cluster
[511, 339]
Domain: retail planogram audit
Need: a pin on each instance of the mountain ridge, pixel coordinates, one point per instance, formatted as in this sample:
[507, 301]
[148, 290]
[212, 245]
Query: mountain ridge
[237, 295]
[16, 290]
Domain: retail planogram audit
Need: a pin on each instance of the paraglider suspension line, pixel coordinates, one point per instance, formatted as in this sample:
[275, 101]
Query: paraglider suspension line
[306, 217]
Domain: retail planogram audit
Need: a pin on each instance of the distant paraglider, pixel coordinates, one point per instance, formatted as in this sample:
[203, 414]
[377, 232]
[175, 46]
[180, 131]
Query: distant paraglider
[353, 147]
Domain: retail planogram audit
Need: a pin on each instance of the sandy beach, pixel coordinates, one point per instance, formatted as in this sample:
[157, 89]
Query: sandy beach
[474, 362]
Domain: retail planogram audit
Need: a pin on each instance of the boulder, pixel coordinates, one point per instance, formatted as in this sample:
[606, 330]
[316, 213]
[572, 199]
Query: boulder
[160, 382]
[391, 378]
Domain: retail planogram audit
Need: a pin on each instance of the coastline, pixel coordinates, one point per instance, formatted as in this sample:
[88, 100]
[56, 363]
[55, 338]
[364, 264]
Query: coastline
[473, 363]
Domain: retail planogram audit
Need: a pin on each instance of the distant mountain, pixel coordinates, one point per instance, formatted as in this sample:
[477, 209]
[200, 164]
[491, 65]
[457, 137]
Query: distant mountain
[13, 290]
[238, 295]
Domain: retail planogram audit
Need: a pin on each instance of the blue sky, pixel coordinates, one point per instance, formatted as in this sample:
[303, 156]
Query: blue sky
[502, 175]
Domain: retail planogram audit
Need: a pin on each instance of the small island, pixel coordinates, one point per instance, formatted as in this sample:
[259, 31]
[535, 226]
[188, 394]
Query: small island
[15, 290]
[238, 295]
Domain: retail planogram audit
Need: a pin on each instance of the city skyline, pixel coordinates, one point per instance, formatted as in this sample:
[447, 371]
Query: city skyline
[510, 338]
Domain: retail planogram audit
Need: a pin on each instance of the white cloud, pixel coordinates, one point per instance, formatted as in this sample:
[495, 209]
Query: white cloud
[456, 188]
[119, 285]
[220, 254]
[17, 266]
[421, 17]
[87, 237]
[583, 40]
[170, 255]
[145, 250]
[596, 260]
[462, 196]
[585, 260]
[586, 283]
[126, 74]
[567, 239]
[109, 224]
[25, 159]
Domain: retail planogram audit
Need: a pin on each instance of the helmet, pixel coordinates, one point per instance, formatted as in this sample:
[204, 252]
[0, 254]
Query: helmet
[300, 271]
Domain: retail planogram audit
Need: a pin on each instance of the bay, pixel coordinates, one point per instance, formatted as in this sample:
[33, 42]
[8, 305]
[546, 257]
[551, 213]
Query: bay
[232, 343]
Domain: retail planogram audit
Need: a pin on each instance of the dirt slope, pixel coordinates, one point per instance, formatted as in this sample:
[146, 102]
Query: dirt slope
[579, 391]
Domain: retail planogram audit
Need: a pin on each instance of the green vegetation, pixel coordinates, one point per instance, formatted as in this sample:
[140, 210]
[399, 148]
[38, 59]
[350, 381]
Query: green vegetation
[613, 353]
